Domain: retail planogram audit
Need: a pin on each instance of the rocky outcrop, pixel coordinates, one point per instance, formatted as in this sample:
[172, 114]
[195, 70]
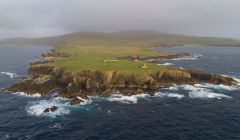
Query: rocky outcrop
[199, 77]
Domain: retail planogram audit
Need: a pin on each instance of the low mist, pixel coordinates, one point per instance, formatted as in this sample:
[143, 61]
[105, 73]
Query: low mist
[37, 18]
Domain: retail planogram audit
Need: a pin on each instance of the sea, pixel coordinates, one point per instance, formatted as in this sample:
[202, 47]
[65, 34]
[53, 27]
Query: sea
[182, 112]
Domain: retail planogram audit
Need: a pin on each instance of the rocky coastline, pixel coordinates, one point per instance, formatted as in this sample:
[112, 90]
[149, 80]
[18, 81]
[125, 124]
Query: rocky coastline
[48, 79]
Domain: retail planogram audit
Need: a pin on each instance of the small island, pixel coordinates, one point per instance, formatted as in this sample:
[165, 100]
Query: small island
[101, 64]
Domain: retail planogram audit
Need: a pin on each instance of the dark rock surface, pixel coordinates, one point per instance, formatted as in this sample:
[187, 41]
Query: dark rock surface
[51, 109]
[75, 101]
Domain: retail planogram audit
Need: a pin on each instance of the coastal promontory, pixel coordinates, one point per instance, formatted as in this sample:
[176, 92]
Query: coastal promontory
[101, 64]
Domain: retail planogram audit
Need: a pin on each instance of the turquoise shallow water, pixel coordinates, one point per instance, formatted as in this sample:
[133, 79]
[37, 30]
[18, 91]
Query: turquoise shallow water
[182, 112]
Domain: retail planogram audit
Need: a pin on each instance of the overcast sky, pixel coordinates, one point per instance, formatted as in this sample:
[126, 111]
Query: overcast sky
[36, 18]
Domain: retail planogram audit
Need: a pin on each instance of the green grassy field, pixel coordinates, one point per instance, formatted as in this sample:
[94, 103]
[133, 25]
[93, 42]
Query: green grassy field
[104, 56]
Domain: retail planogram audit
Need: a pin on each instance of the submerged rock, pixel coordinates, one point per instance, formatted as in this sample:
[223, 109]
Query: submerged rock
[75, 101]
[51, 109]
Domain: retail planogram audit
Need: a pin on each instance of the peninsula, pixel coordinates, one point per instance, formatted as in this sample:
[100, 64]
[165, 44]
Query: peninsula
[101, 64]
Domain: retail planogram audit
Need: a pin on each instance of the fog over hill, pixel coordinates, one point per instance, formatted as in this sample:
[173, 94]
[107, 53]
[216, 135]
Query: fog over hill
[152, 37]
[41, 18]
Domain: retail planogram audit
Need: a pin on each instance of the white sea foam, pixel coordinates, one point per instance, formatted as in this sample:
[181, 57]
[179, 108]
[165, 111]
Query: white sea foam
[37, 108]
[85, 102]
[170, 95]
[174, 95]
[197, 55]
[203, 90]
[165, 64]
[237, 79]
[37, 95]
[187, 87]
[204, 93]
[185, 58]
[192, 57]
[11, 75]
[173, 88]
[218, 87]
[126, 99]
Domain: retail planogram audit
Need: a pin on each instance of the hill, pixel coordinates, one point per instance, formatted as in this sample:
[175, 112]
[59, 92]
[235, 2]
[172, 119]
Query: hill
[154, 38]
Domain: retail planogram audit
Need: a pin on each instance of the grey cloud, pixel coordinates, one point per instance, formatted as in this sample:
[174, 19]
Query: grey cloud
[33, 18]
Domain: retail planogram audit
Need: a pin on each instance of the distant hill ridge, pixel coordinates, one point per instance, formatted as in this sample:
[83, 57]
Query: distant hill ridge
[163, 39]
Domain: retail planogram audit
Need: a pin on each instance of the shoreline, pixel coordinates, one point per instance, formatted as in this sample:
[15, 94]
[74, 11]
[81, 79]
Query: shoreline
[47, 79]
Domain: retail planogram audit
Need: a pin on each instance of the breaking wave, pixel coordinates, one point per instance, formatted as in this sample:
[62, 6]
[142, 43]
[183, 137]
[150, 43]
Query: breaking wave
[165, 64]
[134, 98]
[37, 95]
[171, 95]
[11, 75]
[217, 87]
[191, 57]
[192, 91]
[37, 108]
[202, 91]
[126, 99]
[85, 102]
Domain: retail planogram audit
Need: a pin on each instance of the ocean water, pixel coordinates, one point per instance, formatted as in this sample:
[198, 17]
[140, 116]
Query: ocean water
[202, 111]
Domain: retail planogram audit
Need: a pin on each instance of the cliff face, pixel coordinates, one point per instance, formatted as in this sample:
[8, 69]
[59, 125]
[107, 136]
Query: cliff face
[46, 77]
